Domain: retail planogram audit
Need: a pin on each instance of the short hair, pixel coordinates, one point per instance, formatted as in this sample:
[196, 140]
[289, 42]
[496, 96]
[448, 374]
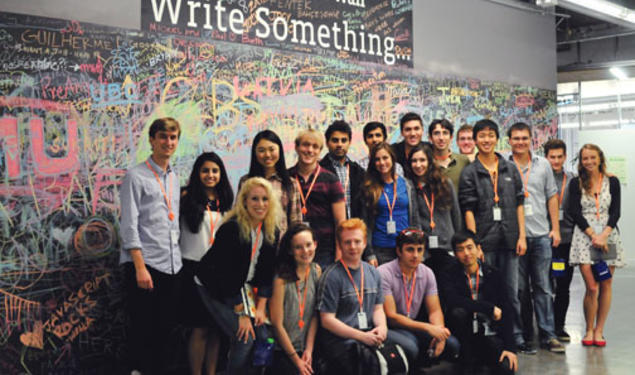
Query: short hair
[446, 124]
[164, 124]
[554, 144]
[410, 116]
[465, 128]
[311, 133]
[462, 236]
[519, 126]
[338, 126]
[410, 235]
[350, 224]
[483, 125]
[369, 127]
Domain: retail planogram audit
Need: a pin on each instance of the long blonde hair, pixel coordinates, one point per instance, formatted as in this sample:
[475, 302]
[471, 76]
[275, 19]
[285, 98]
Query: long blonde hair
[240, 214]
[585, 178]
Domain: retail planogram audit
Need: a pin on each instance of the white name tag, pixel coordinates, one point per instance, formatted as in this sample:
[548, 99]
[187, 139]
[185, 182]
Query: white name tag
[391, 227]
[474, 325]
[498, 215]
[174, 237]
[597, 228]
[560, 214]
[307, 224]
[362, 322]
[433, 242]
[529, 210]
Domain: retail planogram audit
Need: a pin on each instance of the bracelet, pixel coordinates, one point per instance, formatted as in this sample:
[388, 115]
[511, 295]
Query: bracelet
[290, 355]
[240, 313]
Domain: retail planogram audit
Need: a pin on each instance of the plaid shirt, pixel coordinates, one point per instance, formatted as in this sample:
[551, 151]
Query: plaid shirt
[343, 175]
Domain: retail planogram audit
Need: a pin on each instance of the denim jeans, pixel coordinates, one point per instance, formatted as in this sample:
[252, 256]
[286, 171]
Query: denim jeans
[535, 267]
[507, 263]
[415, 344]
[240, 352]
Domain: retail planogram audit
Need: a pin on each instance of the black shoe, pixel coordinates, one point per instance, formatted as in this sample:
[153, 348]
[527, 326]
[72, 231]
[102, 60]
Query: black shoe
[563, 335]
[526, 348]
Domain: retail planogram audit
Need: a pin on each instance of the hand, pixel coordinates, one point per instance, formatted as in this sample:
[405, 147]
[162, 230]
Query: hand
[599, 240]
[513, 360]
[498, 313]
[369, 338]
[381, 332]
[555, 238]
[438, 346]
[307, 356]
[261, 316]
[245, 329]
[374, 263]
[144, 280]
[304, 368]
[439, 333]
[521, 246]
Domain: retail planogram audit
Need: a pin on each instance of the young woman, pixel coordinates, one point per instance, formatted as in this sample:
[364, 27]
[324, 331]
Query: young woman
[292, 305]
[594, 204]
[267, 160]
[438, 206]
[206, 197]
[390, 204]
[241, 259]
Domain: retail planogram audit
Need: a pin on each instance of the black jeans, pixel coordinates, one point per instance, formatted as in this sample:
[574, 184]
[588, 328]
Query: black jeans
[152, 318]
[561, 287]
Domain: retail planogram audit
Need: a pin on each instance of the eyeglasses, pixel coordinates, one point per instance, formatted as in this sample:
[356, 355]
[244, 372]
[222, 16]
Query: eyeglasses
[412, 232]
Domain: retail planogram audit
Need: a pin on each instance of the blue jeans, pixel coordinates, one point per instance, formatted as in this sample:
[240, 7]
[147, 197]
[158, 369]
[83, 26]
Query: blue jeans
[240, 352]
[507, 263]
[535, 267]
[416, 344]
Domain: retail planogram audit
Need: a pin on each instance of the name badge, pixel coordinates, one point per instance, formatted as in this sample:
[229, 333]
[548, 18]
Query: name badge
[498, 215]
[307, 224]
[474, 325]
[391, 227]
[561, 214]
[174, 237]
[362, 322]
[433, 242]
[529, 210]
[597, 228]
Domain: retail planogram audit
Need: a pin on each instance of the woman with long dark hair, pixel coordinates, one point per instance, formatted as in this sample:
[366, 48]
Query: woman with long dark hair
[594, 204]
[438, 205]
[206, 197]
[390, 203]
[292, 305]
[267, 161]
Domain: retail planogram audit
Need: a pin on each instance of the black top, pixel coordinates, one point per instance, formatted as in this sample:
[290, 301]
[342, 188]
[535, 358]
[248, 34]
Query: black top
[575, 207]
[224, 268]
[400, 152]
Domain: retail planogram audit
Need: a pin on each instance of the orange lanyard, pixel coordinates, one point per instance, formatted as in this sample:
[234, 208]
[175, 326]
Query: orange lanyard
[394, 198]
[524, 176]
[360, 296]
[493, 174]
[412, 291]
[212, 224]
[302, 197]
[430, 207]
[302, 301]
[253, 249]
[469, 280]
[167, 201]
[597, 198]
[443, 157]
[564, 183]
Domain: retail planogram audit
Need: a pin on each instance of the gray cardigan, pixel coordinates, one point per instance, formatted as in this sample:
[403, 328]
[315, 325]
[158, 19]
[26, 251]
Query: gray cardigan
[447, 219]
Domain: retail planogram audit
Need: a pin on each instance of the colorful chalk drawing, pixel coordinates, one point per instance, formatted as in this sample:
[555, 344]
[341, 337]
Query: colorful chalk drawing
[76, 101]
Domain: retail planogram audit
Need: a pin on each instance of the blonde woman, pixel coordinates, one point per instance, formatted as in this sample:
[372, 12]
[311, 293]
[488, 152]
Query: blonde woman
[242, 259]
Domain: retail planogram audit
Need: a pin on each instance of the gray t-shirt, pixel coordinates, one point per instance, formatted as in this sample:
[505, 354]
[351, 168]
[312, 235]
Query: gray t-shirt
[291, 308]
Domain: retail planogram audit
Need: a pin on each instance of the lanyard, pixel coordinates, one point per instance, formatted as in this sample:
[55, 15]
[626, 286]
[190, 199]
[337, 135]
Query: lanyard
[443, 157]
[212, 224]
[430, 207]
[302, 197]
[493, 174]
[524, 176]
[597, 198]
[564, 183]
[412, 291]
[394, 198]
[360, 296]
[469, 280]
[302, 301]
[253, 249]
[167, 201]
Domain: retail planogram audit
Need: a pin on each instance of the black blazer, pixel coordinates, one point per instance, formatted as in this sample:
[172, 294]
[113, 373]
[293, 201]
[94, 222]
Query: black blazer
[223, 270]
[355, 183]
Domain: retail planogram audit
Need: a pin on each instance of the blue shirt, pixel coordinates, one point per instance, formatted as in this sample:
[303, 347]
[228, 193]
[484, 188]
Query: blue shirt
[400, 214]
[144, 217]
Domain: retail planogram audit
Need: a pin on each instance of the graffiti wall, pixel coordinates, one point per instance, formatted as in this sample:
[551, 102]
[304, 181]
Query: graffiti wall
[76, 101]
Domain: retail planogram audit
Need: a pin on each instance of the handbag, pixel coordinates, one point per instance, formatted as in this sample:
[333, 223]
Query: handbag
[611, 254]
[392, 359]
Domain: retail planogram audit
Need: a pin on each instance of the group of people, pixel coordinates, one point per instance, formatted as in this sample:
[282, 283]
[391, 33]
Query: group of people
[439, 254]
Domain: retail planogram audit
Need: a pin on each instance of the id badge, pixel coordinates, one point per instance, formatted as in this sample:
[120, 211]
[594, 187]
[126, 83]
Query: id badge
[433, 242]
[474, 325]
[529, 210]
[498, 215]
[391, 227]
[307, 224]
[362, 322]
[174, 237]
[597, 228]
[561, 214]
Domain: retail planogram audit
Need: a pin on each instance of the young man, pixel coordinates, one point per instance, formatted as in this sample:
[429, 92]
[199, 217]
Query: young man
[556, 153]
[338, 139]
[491, 198]
[540, 204]
[411, 127]
[452, 164]
[411, 302]
[321, 195]
[465, 141]
[374, 134]
[478, 314]
[150, 251]
[350, 302]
